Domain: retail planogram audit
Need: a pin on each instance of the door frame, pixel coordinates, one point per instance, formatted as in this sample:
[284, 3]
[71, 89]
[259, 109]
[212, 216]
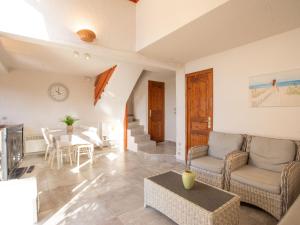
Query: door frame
[187, 123]
[125, 123]
[163, 110]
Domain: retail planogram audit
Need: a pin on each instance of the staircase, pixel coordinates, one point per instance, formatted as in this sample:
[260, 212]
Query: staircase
[101, 82]
[137, 140]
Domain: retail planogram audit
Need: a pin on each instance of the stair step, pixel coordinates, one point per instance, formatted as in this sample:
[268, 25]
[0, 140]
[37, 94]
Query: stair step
[141, 137]
[136, 127]
[133, 124]
[145, 145]
[136, 130]
[130, 118]
[138, 139]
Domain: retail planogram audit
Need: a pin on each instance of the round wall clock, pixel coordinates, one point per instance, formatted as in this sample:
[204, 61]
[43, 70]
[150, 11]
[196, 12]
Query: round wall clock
[58, 92]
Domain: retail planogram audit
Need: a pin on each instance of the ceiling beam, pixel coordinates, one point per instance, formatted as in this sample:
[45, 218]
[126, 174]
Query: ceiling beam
[105, 53]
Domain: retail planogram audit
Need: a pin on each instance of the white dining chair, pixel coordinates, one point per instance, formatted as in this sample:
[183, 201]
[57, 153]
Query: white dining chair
[49, 143]
[61, 149]
[87, 149]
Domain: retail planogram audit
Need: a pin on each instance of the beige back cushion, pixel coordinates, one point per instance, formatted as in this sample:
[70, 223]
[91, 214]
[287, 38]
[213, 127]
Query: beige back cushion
[271, 154]
[220, 144]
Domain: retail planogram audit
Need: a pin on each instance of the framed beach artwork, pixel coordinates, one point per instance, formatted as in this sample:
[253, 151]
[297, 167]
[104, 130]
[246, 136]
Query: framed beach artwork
[277, 89]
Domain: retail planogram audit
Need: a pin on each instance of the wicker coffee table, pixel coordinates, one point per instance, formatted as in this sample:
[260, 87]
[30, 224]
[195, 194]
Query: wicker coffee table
[203, 204]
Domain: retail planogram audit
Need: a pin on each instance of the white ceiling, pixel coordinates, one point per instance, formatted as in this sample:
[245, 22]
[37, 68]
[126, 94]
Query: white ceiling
[233, 24]
[16, 54]
[113, 21]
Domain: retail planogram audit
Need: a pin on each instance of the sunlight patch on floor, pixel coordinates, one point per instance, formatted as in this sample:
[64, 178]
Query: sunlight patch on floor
[112, 156]
[61, 214]
[77, 168]
[79, 185]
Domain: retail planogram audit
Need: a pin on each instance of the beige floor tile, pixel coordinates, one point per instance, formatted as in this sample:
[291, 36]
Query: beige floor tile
[110, 192]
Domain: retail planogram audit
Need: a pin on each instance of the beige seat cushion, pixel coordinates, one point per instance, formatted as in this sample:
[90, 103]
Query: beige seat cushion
[220, 144]
[209, 163]
[259, 178]
[271, 154]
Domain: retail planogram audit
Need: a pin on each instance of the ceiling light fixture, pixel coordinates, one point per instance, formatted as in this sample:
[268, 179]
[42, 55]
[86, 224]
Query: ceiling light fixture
[86, 35]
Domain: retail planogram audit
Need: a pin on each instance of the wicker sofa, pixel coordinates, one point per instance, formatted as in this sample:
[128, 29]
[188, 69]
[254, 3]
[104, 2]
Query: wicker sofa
[208, 161]
[267, 174]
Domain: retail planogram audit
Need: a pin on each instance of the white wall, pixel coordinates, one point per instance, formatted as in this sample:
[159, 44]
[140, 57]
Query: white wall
[140, 101]
[180, 114]
[130, 105]
[111, 106]
[157, 18]
[24, 99]
[170, 109]
[232, 69]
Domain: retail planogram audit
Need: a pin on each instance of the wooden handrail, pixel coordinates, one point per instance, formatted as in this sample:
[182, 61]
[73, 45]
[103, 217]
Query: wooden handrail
[101, 82]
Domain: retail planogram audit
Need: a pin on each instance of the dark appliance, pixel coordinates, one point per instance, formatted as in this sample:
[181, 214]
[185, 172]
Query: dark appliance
[11, 149]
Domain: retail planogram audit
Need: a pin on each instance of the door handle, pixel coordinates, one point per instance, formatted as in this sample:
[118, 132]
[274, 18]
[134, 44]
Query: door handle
[209, 122]
[150, 112]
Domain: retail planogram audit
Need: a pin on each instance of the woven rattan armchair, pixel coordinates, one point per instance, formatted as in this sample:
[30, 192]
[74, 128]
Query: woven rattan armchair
[208, 161]
[266, 175]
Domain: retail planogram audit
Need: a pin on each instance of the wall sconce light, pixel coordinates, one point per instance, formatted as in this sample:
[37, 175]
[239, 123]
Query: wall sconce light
[86, 35]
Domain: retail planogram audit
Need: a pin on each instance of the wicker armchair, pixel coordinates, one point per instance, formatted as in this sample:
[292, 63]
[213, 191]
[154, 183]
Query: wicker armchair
[266, 175]
[208, 161]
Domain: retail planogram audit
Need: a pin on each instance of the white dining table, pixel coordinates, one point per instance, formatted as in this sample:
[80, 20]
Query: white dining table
[79, 137]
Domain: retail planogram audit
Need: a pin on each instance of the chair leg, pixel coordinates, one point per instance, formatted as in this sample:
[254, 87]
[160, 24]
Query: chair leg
[59, 158]
[91, 154]
[46, 153]
[52, 158]
[70, 156]
[73, 154]
[78, 156]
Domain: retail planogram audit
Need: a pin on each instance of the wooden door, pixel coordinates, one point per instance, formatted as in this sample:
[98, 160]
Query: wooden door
[156, 110]
[199, 107]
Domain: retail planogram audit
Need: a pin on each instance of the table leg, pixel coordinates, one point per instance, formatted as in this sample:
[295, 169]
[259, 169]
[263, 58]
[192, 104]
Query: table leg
[58, 158]
[92, 154]
[70, 156]
[52, 158]
[78, 156]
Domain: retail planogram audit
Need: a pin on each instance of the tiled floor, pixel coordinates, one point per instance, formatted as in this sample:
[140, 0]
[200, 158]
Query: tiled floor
[164, 148]
[110, 192]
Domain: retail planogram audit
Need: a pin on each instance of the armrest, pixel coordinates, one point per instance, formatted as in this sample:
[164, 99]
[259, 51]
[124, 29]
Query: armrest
[290, 184]
[234, 161]
[198, 151]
